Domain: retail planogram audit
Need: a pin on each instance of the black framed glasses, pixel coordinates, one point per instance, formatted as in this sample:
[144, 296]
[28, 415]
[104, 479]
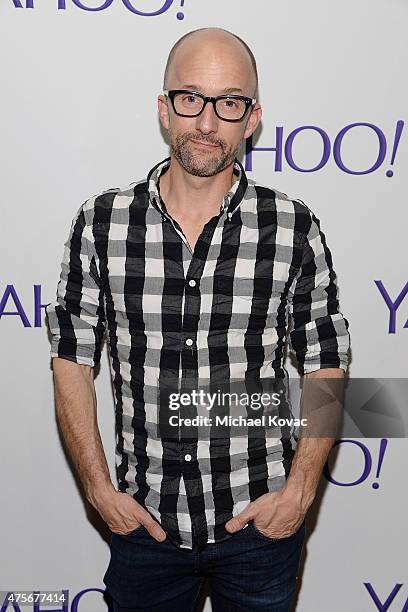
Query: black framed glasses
[188, 103]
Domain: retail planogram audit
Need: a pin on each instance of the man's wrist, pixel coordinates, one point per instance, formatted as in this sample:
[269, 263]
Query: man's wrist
[301, 490]
[98, 492]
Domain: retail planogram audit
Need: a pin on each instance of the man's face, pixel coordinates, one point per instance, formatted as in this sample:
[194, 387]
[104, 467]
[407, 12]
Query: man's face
[205, 145]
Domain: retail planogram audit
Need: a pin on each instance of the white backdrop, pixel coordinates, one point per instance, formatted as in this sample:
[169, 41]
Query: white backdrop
[78, 115]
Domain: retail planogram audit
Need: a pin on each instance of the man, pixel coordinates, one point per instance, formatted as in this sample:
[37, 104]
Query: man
[190, 272]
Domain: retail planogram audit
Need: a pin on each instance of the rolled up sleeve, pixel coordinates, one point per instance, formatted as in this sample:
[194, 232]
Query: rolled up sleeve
[76, 318]
[319, 333]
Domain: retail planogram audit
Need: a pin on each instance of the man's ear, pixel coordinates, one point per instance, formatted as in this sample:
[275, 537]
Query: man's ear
[253, 121]
[163, 111]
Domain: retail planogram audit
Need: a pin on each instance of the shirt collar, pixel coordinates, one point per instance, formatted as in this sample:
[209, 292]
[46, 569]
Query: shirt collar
[231, 201]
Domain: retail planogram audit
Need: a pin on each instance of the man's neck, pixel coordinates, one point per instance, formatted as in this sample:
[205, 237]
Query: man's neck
[194, 197]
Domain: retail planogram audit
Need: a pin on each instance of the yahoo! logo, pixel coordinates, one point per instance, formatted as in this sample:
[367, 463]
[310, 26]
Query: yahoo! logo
[383, 607]
[366, 467]
[130, 5]
[282, 148]
[392, 306]
[10, 295]
[10, 601]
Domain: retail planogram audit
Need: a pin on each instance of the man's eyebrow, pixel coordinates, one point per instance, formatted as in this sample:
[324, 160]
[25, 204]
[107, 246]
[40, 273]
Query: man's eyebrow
[227, 90]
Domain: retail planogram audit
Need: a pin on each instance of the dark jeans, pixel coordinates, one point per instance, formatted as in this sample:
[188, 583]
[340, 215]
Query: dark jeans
[248, 572]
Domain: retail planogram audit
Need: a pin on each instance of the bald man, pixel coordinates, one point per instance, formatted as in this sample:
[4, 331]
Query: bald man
[188, 274]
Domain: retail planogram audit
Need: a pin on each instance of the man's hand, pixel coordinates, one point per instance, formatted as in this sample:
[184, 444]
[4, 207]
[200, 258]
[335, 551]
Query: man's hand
[278, 514]
[123, 514]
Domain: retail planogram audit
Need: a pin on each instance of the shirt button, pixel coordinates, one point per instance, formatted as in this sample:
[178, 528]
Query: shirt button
[189, 342]
[187, 457]
[192, 282]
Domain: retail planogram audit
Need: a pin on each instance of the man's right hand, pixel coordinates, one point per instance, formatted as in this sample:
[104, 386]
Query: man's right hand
[123, 514]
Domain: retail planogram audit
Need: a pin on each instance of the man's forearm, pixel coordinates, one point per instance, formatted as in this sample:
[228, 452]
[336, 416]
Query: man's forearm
[311, 453]
[307, 466]
[75, 401]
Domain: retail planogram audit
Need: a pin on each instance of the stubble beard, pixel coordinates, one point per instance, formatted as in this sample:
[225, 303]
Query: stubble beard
[205, 163]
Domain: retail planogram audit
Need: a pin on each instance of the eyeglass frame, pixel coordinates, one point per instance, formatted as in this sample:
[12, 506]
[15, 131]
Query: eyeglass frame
[171, 93]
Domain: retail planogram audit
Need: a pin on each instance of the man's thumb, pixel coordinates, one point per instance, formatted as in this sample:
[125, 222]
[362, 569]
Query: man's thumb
[238, 522]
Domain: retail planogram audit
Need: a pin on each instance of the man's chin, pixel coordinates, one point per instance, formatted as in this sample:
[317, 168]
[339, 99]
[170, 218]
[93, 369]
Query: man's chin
[199, 168]
[197, 163]
[202, 171]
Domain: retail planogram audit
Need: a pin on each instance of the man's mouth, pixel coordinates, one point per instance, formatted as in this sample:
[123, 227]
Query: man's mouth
[204, 144]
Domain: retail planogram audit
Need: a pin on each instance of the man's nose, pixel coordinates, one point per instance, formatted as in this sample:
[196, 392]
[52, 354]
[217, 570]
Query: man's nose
[207, 122]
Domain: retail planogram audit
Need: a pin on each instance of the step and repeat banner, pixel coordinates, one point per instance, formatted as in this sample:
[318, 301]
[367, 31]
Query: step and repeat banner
[79, 87]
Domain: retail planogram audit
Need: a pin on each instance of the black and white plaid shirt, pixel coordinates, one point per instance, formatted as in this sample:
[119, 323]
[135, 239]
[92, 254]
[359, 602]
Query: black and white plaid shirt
[220, 312]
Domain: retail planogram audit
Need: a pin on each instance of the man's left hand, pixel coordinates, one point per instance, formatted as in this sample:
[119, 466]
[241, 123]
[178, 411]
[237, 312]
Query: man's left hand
[277, 514]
